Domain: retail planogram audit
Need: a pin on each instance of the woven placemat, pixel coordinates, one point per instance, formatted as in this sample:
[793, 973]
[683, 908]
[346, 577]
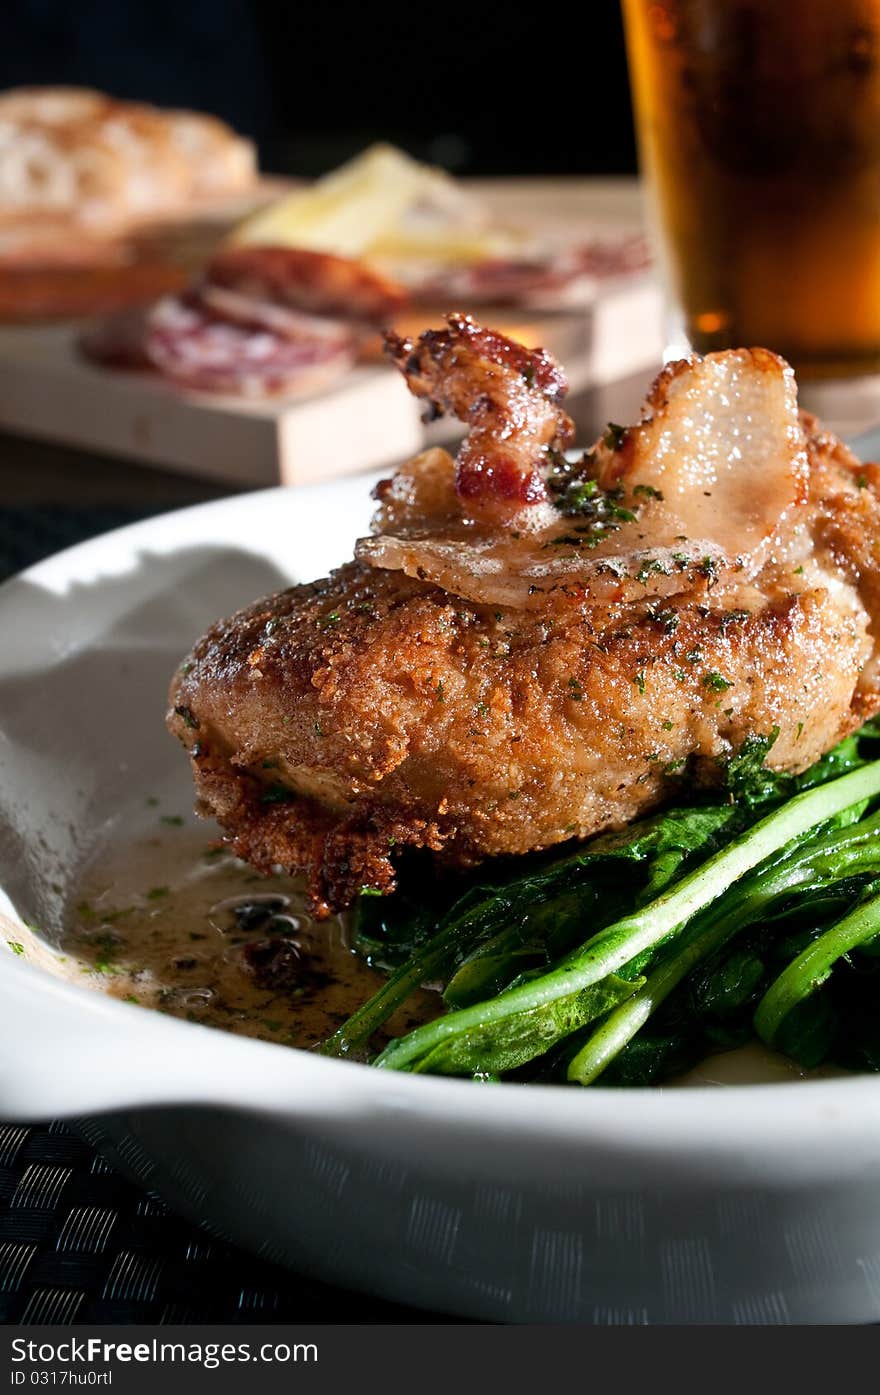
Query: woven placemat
[78, 1242]
[29, 533]
[81, 1244]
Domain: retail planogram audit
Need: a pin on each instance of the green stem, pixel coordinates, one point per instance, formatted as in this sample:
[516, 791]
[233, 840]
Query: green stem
[436, 958]
[431, 961]
[810, 969]
[621, 1026]
[631, 936]
[824, 862]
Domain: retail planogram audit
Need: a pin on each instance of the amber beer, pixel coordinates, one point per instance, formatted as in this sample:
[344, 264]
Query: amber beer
[759, 129]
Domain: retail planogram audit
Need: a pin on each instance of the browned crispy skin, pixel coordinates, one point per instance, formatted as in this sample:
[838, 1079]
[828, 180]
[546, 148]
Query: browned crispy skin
[398, 714]
[504, 668]
[510, 397]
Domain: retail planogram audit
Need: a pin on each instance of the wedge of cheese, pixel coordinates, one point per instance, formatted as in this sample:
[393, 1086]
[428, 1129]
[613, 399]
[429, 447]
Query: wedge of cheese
[382, 206]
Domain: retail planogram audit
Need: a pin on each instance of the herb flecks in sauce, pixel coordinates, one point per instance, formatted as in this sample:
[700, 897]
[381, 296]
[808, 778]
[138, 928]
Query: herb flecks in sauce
[215, 945]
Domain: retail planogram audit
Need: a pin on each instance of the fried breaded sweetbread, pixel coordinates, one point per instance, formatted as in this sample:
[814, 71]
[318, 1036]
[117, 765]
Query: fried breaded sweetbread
[335, 723]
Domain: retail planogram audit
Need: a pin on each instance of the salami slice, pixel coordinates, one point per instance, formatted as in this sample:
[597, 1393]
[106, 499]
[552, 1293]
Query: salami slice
[198, 349]
[315, 283]
[540, 281]
[262, 321]
[278, 319]
[118, 340]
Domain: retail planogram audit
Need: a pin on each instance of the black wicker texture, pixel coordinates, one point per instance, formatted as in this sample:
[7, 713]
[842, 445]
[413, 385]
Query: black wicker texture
[80, 1244]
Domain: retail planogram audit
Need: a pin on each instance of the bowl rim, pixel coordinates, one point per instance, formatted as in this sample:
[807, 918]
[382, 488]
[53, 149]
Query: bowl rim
[762, 1117]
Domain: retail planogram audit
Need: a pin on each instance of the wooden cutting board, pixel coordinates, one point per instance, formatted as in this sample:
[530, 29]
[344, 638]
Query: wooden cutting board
[50, 391]
[367, 420]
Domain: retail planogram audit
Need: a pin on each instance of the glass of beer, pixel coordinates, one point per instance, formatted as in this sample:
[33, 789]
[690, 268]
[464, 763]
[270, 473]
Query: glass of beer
[759, 132]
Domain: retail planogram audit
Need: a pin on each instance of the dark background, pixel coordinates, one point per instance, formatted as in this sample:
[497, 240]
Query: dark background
[487, 89]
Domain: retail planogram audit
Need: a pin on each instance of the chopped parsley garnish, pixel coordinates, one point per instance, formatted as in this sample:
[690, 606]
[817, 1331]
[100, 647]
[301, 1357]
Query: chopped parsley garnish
[648, 490]
[649, 567]
[277, 794]
[574, 540]
[579, 497]
[716, 681]
[614, 435]
[616, 511]
[325, 621]
[187, 717]
[732, 617]
[15, 946]
[669, 619]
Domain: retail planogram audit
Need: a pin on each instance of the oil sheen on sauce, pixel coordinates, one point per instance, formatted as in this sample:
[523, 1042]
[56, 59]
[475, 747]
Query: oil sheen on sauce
[176, 923]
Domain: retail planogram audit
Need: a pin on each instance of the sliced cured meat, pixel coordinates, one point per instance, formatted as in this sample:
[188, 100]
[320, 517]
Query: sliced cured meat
[586, 545]
[510, 397]
[720, 451]
[698, 495]
[265, 314]
[397, 710]
[201, 351]
[118, 340]
[539, 279]
[313, 282]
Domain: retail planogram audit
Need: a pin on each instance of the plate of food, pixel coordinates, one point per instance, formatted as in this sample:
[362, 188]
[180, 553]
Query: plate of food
[519, 960]
[227, 345]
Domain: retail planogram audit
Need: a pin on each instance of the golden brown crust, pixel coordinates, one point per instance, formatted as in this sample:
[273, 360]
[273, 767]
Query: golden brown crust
[431, 722]
[336, 722]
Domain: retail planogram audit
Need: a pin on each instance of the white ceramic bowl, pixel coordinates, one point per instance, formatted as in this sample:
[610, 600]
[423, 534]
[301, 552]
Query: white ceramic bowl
[742, 1204]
